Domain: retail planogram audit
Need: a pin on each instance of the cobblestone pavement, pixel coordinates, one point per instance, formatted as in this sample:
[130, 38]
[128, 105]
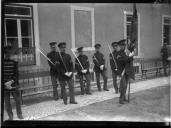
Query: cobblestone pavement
[151, 105]
[44, 109]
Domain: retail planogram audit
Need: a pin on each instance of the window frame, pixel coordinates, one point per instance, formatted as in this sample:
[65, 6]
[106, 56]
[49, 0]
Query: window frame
[20, 5]
[19, 31]
[35, 28]
[125, 28]
[165, 16]
[91, 10]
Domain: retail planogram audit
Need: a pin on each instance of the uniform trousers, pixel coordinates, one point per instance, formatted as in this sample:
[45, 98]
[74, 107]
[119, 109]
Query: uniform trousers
[165, 63]
[114, 75]
[123, 87]
[16, 96]
[87, 88]
[55, 86]
[70, 83]
[103, 73]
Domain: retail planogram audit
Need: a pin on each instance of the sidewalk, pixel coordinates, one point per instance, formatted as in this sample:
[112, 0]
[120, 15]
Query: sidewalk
[46, 108]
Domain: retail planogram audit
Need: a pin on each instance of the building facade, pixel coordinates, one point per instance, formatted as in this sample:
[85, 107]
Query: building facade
[31, 26]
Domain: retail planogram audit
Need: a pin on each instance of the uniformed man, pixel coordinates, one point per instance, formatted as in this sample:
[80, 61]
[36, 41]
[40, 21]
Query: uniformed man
[66, 73]
[113, 65]
[83, 72]
[10, 83]
[164, 54]
[123, 57]
[99, 67]
[54, 57]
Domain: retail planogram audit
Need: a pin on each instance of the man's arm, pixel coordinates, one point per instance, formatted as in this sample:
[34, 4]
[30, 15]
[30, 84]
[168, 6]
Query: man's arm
[95, 61]
[70, 64]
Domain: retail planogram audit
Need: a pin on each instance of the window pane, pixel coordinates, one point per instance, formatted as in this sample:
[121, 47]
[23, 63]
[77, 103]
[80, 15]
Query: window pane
[17, 10]
[128, 29]
[25, 28]
[128, 18]
[83, 28]
[27, 42]
[11, 28]
[12, 42]
[166, 33]
[166, 20]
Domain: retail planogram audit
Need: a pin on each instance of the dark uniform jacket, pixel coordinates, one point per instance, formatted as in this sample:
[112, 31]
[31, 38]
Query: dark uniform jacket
[84, 62]
[67, 61]
[54, 57]
[122, 60]
[10, 72]
[164, 53]
[112, 63]
[98, 59]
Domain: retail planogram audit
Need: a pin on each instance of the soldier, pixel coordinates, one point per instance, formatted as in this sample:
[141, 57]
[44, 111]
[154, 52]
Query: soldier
[99, 67]
[66, 73]
[83, 72]
[123, 57]
[11, 84]
[164, 54]
[114, 66]
[54, 57]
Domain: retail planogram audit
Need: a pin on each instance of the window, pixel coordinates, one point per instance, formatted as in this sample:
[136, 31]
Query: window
[127, 29]
[19, 32]
[82, 27]
[166, 29]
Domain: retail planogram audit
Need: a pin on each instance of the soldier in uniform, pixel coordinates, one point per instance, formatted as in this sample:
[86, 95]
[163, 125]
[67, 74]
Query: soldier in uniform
[99, 67]
[123, 57]
[164, 54]
[66, 73]
[10, 83]
[54, 57]
[83, 72]
[114, 66]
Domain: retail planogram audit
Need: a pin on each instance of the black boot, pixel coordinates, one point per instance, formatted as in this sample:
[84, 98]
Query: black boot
[73, 102]
[20, 117]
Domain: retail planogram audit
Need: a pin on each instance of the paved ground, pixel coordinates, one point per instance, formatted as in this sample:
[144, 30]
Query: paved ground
[42, 110]
[151, 105]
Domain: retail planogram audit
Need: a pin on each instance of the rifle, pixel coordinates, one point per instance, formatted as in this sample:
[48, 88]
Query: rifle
[113, 57]
[46, 56]
[62, 60]
[94, 57]
[77, 59]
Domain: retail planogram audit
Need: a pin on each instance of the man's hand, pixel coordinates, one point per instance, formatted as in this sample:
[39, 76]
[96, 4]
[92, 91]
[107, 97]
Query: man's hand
[68, 74]
[8, 84]
[127, 52]
[131, 54]
[84, 71]
[102, 67]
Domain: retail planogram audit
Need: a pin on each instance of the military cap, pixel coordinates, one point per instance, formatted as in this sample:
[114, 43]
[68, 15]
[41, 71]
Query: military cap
[97, 45]
[121, 42]
[79, 49]
[114, 44]
[52, 43]
[61, 44]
